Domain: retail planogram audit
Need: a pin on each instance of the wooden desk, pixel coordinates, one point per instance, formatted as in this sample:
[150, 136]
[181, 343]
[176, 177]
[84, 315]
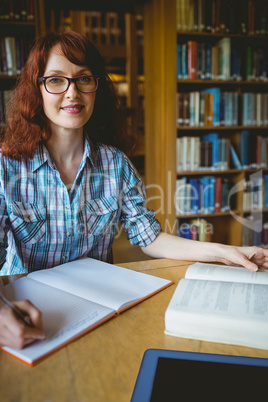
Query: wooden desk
[102, 366]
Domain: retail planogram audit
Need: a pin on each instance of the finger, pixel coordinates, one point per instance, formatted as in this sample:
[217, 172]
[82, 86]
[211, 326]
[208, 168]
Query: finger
[34, 314]
[17, 328]
[14, 332]
[246, 263]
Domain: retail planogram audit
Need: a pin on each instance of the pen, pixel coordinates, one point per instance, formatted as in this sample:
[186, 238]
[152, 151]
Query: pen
[19, 314]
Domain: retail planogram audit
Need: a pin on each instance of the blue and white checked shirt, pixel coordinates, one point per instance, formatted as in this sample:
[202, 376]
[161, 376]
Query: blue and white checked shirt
[43, 225]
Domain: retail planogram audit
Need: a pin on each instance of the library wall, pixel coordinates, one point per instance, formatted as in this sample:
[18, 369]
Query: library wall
[222, 120]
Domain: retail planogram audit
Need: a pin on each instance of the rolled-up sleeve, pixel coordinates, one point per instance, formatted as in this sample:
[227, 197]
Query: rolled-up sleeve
[138, 221]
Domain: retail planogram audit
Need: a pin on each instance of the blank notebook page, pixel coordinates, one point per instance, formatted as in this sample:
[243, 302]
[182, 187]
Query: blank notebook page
[100, 282]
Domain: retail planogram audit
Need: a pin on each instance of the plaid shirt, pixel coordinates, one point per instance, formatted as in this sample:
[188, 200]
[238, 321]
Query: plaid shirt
[42, 225]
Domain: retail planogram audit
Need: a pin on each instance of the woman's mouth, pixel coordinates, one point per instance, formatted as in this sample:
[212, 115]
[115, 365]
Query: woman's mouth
[73, 109]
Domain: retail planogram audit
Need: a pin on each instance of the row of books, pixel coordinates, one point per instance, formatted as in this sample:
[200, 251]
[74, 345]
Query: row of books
[225, 16]
[17, 10]
[252, 150]
[104, 27]
[221, 61]
[254, 232]
[210, 108]
[254, 109]
[213, 107]
[204, 195]
[210, 152]
[206, 153]
[255, 194]
[13, 54]
[5, 96]
[195, 229]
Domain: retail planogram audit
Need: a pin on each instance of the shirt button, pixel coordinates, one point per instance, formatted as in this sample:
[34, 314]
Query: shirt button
[68, 234]
[67, 207]
[64, 257]
[101, 210]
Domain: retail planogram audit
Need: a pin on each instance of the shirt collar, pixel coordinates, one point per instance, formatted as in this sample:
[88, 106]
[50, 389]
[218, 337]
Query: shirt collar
[42, 155]
[90, 151]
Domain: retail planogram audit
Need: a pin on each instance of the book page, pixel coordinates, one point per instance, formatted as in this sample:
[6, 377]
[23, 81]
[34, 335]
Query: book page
[214, 272]
[242, 301]
[100, 282]
[225, 312]
[65, 316]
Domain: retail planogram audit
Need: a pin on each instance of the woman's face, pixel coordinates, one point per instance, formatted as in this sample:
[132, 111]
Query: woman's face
[71, 109]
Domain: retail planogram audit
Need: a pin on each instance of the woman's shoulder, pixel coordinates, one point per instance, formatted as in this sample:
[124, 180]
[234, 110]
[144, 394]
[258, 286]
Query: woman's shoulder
[12, 164]
[108, 153]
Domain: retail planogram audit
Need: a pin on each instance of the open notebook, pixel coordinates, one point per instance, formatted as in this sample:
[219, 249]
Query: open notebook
[76, 297]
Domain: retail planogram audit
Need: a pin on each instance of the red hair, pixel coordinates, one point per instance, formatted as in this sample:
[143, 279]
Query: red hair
[27, 124]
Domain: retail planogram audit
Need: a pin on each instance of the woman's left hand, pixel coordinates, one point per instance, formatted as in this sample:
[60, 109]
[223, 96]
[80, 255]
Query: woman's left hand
[251, 258]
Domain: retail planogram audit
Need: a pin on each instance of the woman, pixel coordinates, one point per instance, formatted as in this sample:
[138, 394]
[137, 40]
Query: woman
[64, 184]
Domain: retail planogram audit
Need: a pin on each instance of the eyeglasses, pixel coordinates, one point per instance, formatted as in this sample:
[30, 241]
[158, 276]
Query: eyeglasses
[58, 85]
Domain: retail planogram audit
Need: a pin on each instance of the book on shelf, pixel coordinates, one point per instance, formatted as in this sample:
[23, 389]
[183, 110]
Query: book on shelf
[211, 108]
[254, 231]
[223, 16]
[221, 61]
[224, 58]
[105, 27]
[265, 234]
[192, 59]
[197, 196]
[77, 297]
[17, 11]
[220, 304]
[196, 229]
[13, 54]
[208, 152]
[254, 109]
[253, 193]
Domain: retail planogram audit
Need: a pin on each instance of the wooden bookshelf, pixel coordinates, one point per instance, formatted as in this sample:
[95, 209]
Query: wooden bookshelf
[28, 30]
[162, 36]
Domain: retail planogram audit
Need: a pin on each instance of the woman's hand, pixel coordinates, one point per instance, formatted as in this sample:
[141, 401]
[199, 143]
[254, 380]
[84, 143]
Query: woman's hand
[13, 332]
[251, 258]
[168, 246]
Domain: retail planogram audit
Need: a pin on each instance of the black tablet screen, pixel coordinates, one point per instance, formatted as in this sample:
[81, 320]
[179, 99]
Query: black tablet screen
[188, 380]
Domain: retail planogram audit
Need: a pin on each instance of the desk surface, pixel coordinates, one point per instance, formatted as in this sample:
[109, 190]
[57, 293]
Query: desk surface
[102, 366]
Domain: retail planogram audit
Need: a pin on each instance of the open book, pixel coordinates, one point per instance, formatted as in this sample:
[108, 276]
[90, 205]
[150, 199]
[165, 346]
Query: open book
[220, 304]
[76, 297]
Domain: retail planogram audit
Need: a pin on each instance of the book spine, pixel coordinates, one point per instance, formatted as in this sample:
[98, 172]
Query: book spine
[192, 59]
[217, 195]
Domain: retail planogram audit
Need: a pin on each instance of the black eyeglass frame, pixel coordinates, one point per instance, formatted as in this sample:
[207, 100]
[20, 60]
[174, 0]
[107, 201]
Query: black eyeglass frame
[70, 80]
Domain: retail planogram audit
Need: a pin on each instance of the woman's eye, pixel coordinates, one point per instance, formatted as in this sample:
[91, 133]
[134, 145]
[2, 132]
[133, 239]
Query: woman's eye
[85, 79]
[55, 80]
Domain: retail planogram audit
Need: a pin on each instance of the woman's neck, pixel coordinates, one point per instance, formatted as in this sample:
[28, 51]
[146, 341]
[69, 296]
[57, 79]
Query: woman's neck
[66, 151]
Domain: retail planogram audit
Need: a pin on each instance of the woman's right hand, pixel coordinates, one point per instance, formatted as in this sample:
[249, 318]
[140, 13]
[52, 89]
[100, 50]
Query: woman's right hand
[13, 332]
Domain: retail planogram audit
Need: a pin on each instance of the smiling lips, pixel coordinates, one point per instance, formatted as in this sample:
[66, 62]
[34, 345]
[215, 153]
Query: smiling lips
[73, 109]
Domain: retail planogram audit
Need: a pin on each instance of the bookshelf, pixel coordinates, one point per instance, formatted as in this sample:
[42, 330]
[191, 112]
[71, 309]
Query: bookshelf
[18, 29]
[240, 222]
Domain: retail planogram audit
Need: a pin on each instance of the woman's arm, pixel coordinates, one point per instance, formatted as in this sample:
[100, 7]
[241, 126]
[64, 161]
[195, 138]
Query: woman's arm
[168, 246]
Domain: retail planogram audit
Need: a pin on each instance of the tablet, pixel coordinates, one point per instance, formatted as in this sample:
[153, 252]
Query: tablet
[168, 375]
